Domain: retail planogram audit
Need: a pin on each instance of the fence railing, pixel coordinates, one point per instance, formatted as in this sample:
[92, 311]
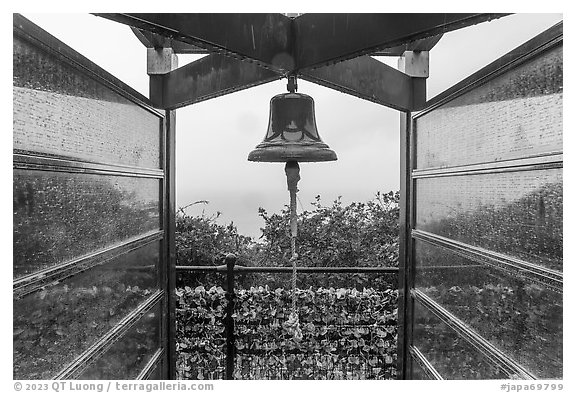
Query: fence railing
[231, 270]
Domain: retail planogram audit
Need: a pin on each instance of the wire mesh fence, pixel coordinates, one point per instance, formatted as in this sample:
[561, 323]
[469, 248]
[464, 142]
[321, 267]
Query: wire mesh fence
[347, 333]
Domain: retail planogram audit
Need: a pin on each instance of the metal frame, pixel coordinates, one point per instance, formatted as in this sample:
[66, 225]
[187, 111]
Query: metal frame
[530, 163]
[287, 44]
[551, 279]
[211, 76]
[28, 284]
[491, 353]
[322, 48]
[34, 161]
[30, 32]
[369, 79]
[154, 40]
[170, 246]
[99, 348]
[152, 365]
[549, 39]
[238, 269]
[424, 364]
[160, 62]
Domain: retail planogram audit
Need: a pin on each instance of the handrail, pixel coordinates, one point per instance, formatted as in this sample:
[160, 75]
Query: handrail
[286, 269]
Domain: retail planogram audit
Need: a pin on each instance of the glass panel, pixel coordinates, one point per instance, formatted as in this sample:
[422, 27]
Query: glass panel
[514, 213]
[450, 354]
[515, 115]
[521, 318]
[129, 355]
[418, 372]
[61, 216]
[61, 111]
[55, 325]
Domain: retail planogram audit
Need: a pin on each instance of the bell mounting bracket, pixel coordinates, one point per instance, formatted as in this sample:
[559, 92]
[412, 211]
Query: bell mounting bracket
[292, 84]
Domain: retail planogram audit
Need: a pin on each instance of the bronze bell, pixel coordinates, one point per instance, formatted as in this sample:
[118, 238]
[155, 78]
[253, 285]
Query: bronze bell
[292, 133]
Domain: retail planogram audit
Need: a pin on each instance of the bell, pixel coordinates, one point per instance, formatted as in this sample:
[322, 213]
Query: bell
[292, 133]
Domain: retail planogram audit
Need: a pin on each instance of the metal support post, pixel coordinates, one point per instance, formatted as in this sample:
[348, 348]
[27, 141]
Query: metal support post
[414, 64]
[162, 61]
[228, 320]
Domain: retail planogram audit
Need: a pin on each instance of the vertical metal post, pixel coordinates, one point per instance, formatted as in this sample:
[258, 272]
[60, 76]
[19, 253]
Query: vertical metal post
[404, 315]
[415, 64]
[161, 61]
[170, 240]
[228, 320]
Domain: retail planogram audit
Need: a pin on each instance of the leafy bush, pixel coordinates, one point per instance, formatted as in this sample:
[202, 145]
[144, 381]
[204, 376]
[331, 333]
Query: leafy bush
[359, 234]
[356, 235]
[201, 241]
[347, 334]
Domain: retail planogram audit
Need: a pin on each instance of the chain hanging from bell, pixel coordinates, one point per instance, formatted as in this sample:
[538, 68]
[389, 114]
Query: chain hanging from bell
[292, 134]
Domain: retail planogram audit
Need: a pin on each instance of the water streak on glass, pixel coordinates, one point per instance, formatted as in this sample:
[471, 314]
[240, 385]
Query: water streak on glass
[61, 216]
[55, 325]
[450, 354]
[130, 354]
[515, 115]
[59, 111]
[521, 318]
[516, 213]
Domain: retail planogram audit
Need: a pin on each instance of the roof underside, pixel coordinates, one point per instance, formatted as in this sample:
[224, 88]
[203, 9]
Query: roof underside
[333, 50]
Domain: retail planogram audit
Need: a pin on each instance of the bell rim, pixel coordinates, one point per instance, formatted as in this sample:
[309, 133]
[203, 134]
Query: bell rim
[264, 145]
[280, 153]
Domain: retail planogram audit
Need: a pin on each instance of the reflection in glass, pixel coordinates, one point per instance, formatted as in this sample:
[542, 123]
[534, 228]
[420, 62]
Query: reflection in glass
[515, 115]
[128, 356]
[450, 354]
[55, 325]
[61, 111]
[61, 216]
[521, 318]
[515, 213]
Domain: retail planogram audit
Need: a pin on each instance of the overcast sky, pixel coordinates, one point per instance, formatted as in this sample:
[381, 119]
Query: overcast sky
[214, 137]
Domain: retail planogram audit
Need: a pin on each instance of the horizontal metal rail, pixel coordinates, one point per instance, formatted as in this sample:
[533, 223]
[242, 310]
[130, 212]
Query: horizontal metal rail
[285, 269]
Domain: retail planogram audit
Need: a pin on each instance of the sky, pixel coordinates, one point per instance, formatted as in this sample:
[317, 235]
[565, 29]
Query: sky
[214, 137]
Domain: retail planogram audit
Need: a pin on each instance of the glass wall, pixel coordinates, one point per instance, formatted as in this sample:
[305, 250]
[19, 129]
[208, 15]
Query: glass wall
[486, 218]
[88, 205]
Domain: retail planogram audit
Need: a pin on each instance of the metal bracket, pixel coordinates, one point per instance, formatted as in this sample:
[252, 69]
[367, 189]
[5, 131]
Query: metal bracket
[161, 61]
[292, 85]
[415, 63]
